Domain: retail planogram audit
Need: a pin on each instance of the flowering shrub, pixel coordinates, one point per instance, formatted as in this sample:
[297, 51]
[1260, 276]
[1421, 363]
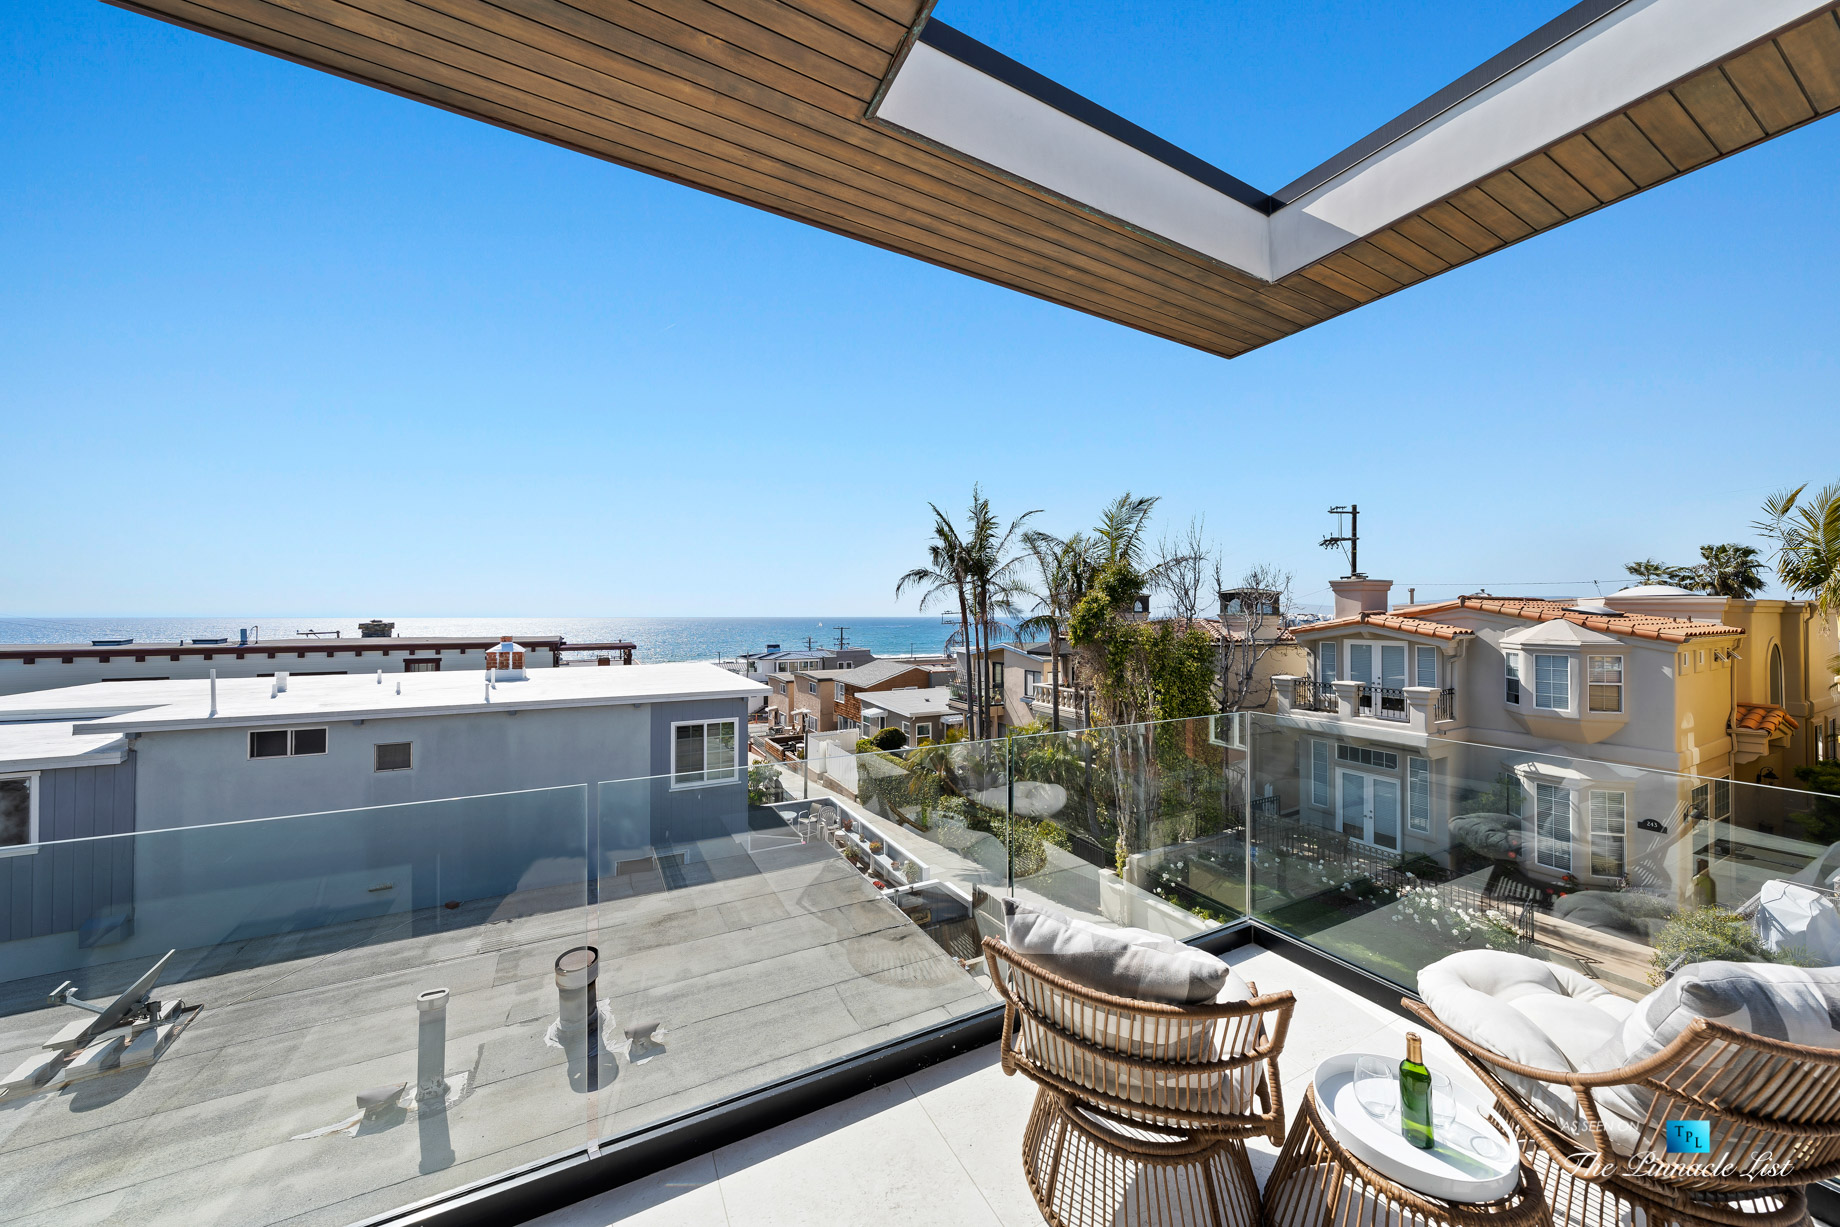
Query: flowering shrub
[1443, 920]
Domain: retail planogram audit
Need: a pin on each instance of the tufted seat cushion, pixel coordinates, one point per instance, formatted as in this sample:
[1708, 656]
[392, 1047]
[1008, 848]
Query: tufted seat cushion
[1532, 1012]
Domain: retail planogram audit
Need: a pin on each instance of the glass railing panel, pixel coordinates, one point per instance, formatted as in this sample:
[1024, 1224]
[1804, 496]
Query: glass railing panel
[347, 1020]
[752, 928]
[1393, 851]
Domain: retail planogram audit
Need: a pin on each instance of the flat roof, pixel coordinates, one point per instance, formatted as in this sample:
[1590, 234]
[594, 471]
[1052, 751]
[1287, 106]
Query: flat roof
[146, 706]
[265, 647]
[926, 701]
[60, 743]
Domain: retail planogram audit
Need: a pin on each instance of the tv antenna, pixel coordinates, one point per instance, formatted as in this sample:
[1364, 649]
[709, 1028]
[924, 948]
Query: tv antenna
[1351, 541]
[841, 641]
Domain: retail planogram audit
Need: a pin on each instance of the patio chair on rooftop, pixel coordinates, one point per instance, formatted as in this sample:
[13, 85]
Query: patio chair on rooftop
[1592, 1082]
[1144, 1106]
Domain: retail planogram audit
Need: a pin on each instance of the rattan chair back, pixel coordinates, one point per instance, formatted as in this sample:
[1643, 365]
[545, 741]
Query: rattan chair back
[1771, 1108]
[1208, 1069]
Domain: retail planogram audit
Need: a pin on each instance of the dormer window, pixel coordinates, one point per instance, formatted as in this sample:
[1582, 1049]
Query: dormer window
[1552, 683]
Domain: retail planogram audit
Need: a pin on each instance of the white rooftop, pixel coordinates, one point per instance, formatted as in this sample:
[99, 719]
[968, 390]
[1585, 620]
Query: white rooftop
[44, 746]
[139, 706]
[928, 701]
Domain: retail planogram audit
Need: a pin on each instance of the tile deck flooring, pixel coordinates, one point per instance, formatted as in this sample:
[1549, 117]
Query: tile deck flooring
[943, 1146]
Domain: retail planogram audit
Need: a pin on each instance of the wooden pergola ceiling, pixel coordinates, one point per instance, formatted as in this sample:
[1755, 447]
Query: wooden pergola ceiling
[865, 118]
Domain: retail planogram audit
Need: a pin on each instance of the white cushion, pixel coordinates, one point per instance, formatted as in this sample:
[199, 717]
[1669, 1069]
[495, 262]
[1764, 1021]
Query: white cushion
[1794, 917]
[1528, 1011]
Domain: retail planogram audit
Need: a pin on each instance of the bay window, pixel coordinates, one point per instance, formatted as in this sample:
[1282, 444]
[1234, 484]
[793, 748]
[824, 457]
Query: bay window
[1552, 826]
[1552, 683]
[1606, 682]
[1511, 662]
[1609, 830]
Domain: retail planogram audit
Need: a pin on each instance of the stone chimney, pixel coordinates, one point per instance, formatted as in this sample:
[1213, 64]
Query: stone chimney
[1362, 595]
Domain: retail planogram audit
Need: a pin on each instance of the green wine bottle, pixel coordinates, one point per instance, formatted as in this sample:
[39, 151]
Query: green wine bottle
[1415, 1095]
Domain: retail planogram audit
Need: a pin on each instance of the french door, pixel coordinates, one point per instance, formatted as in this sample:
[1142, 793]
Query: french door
[1369, 809]
[1381, 665]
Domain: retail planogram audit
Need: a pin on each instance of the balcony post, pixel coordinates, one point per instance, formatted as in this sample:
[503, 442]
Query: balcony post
[1284, 686]
[1421, 701]
[1348, 698]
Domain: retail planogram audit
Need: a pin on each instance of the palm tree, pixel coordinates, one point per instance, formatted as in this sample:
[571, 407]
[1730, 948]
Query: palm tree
[1122, 525]
[991, 567]
[1063, 570]
[1807, 537]
[1649, 571]
[1729, 570]
[947, 573]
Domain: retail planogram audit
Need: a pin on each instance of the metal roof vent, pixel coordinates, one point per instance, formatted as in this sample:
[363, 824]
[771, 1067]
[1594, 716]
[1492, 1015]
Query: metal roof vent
[507, 660]
[1596, 611]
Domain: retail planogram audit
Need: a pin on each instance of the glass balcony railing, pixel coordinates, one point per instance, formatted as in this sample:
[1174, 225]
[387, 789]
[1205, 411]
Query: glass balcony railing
[366, 1008]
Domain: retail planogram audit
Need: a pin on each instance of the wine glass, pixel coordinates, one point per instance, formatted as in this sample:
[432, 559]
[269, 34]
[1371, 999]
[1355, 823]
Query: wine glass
[1376, 1088]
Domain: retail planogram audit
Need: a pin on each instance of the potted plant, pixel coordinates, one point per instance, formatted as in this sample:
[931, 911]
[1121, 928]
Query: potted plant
[875, 847]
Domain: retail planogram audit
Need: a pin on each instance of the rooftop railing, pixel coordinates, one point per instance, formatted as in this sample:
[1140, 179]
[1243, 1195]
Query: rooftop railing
[753, 924]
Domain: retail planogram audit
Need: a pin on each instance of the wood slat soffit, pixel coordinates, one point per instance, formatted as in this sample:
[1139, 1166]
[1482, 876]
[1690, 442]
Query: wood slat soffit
[866, 118]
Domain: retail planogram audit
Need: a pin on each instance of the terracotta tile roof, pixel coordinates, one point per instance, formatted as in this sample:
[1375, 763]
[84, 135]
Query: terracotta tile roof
[1416, 619]
[1766, 716]
[1642, 626]
[1395, 622]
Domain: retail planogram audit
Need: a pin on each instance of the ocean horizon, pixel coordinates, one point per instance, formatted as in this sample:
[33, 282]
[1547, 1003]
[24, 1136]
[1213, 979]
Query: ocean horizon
[658, 640]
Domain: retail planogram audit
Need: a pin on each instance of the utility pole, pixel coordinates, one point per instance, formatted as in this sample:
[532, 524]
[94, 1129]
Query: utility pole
[840, 639]
[1352, 540]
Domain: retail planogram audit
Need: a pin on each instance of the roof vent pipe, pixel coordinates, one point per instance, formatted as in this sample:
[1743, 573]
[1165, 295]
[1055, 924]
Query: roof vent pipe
[431, 1050]
[578, 1016]
[213, 692]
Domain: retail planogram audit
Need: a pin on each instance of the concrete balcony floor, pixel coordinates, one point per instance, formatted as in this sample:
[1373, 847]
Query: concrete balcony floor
[944, 1146]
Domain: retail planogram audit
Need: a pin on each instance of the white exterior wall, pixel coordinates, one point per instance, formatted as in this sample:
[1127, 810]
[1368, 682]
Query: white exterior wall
[192, 776]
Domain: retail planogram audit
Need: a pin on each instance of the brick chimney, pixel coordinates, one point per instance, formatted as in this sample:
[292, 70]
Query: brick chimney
[1362, 595]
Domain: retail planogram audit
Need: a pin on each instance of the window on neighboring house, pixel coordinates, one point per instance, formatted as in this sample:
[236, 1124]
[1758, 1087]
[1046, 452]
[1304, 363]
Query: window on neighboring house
[1552, 826]
[1384, 759]
[1552, 683]
[395, 755]
[1515, 800]
[1427, 662]
[1319, 773]
[1700, 803]
[286, 743]
[426, 664]
[1326, 664]
[1721, 799]
[1031, 683]
[811, 687]
[1606, 682]
[703, 752]
[838, 697]
[923, 730]
[1777, 689]
[1361, 662]
[1418, 795]
[1608, 830]
[1511, 662]
[18, 811]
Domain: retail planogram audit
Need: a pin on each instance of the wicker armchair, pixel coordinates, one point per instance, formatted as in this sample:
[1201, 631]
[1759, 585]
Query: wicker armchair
[1764, 1101]
[1144, 1108]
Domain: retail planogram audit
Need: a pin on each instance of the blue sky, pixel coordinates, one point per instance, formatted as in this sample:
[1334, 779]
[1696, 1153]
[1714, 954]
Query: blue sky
[271, 341]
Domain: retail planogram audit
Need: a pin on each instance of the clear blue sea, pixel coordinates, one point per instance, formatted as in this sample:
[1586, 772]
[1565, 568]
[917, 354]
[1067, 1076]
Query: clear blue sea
[659, 639]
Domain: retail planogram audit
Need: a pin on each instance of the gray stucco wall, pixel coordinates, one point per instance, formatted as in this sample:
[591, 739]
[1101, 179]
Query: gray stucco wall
[192, 777]
[681, 815]
[58, 887]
